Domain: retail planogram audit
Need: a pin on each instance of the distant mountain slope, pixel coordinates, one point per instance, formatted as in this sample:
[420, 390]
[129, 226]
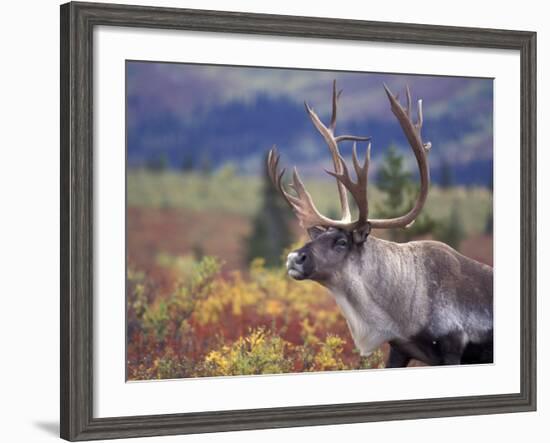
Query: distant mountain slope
[241, 133]
[209, 115]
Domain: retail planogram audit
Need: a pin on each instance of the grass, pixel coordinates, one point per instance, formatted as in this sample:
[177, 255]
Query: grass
[224, 191]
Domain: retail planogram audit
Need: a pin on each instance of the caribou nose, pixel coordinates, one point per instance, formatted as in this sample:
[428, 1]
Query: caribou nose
[301, 258]
[290, 259]
[296, 259]
[296, 264]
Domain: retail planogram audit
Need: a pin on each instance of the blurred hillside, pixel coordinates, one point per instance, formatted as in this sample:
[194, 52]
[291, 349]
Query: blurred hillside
[206, 116]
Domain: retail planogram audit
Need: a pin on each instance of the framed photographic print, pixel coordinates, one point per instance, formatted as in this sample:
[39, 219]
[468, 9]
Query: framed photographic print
[273, 221]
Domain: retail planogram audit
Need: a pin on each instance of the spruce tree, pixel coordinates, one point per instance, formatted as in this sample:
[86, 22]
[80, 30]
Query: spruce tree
[159, 163]
[392, 179]
[452, 232]
[400, 194]
[188, 163]
[271, 232]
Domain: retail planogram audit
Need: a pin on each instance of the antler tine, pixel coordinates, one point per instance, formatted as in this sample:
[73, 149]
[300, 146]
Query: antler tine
[334, 151]
[275, 175]
[335, 97]
[366, 163]
[302, 204]
[355, 138]
[419, 116]
[332, 142]
[409, 100]
[358, 189]
[354, 159]
[413, 133]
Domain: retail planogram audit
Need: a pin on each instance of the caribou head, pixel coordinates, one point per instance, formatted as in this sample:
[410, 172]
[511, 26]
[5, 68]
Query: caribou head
[334, 241]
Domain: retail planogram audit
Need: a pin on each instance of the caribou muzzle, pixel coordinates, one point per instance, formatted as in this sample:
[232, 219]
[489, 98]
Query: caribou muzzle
[299, 264]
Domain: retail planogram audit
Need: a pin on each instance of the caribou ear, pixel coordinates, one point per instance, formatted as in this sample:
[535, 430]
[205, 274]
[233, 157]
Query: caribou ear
[360, 234]
[315, 232]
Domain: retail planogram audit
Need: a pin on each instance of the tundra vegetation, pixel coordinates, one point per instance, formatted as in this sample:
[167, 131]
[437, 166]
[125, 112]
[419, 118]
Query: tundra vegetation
[199, 303]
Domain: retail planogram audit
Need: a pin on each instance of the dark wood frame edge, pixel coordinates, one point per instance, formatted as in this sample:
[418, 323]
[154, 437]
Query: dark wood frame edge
[76, 270]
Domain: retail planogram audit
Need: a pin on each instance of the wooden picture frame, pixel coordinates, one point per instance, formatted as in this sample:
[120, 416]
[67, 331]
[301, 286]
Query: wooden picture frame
[77, 23]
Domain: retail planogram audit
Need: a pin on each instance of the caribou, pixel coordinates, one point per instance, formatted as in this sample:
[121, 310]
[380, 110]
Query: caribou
[425, 299]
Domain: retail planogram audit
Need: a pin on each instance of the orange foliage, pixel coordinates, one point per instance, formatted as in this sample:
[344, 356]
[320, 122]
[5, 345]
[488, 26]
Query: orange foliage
[187, 318]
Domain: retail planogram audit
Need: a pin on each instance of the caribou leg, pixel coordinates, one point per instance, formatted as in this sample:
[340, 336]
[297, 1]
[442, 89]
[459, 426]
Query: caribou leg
[452, 347]
[397, 358]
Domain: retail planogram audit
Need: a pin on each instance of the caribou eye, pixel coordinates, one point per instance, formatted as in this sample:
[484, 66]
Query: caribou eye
[341, 243]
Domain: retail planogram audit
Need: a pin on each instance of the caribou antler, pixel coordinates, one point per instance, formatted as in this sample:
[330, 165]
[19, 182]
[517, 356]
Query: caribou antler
[413, 133]
[358, 189]
[332, 143]
[302, 203]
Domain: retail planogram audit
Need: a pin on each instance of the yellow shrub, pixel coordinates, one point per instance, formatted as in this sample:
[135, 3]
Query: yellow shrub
[257, 353]
[329, 356]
